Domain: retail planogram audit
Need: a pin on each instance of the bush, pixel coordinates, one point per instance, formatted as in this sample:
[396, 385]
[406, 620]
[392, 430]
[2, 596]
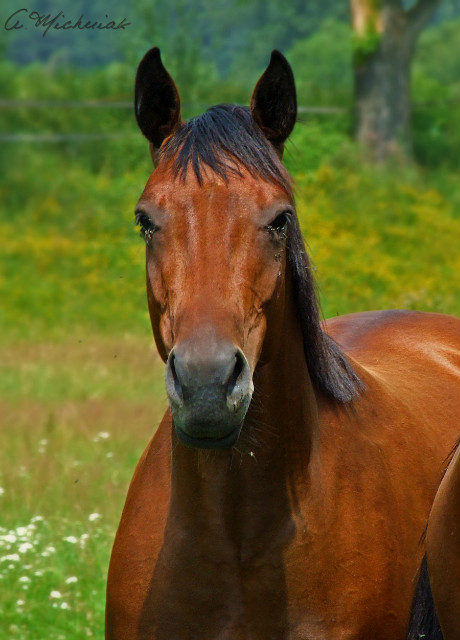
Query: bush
[322, 66]
[436, 96]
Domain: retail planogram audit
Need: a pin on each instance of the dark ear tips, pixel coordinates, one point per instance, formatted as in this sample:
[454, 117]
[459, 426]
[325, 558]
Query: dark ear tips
[274, 101]
[276, 57]
[156, 99]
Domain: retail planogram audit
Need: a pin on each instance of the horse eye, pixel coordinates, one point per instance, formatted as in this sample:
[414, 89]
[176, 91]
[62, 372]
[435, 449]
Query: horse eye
[278, 226]
[148, 228]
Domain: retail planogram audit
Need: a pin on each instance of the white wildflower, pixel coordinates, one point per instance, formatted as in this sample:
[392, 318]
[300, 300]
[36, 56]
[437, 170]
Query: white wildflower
[24, 579]
[2, 491]
[55, 595]
[64, 605]
[25, 546]
[12, 557]
[71, 579]
[37, 519]
[94, 516]
[10, 537]
[71, 539]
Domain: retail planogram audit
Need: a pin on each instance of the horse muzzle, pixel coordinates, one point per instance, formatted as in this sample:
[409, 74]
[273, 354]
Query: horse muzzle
[209, 389]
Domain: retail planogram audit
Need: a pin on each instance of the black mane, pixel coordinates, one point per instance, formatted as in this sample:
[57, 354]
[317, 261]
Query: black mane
[221, 140]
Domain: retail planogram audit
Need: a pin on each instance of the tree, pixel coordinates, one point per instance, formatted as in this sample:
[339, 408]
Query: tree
[384, 38]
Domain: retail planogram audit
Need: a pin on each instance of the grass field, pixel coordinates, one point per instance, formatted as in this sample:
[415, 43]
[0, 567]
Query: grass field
[81, 387]
[75, 417]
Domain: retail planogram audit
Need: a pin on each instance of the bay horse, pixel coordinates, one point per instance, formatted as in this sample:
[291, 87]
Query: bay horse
[285, 491]
[436, 609]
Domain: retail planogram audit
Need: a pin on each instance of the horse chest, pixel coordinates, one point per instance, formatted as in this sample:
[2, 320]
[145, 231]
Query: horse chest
[201, 591]
[211, 587]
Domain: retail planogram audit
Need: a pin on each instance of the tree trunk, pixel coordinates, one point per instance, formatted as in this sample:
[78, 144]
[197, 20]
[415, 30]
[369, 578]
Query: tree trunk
[384, 41]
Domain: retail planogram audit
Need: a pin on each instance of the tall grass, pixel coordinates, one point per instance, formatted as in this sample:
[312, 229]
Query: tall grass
[76, 415]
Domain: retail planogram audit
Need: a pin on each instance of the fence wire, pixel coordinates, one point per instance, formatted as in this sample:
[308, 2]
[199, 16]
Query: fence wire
[110, 103]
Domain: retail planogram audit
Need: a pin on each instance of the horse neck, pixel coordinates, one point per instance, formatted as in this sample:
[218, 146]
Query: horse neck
[245, 489]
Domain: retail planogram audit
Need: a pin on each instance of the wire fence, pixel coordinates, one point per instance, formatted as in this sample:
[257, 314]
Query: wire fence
[110, 103]
[63, 137]
[124, 104]
[40, 138]
[66, 104]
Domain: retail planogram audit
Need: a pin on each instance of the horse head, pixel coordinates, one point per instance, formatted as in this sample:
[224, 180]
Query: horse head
[215, 215]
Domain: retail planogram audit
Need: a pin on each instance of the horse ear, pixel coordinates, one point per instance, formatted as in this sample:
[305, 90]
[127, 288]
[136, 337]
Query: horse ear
[274, 101]
[156, 101]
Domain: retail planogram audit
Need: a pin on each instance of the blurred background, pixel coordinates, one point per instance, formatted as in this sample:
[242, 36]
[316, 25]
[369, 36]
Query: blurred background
[375, 157]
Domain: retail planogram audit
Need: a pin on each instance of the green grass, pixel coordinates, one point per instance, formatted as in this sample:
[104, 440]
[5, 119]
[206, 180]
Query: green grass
[40, 566]
[81, 389]
[76, 416]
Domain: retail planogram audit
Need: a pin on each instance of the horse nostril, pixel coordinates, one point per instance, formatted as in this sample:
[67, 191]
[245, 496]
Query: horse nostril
[173, 386]
[239, 383]
[235, 374]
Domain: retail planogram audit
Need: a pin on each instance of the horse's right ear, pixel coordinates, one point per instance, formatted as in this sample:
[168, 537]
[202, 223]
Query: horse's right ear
[156, 101]
[274, 102]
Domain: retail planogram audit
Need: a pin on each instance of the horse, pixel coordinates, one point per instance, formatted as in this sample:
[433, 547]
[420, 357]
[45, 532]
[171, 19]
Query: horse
[436, 608]
[286, 488]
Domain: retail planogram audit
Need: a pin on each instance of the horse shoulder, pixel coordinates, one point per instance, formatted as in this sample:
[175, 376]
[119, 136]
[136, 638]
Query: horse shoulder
[410, 364]
[385, 449]
[414, 356]
[443, 550]
[140, 533]
[373, 331]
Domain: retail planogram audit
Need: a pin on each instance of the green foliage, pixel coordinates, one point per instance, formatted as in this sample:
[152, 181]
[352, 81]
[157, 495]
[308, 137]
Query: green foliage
[379, 242]
[436, 94]
[434, 55]
[323, 73]
[71, 243]
[317, 140]
[321, 65]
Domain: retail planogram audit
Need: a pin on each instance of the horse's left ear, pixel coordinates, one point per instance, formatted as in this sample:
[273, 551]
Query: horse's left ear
[156, 101]
[274, 101]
